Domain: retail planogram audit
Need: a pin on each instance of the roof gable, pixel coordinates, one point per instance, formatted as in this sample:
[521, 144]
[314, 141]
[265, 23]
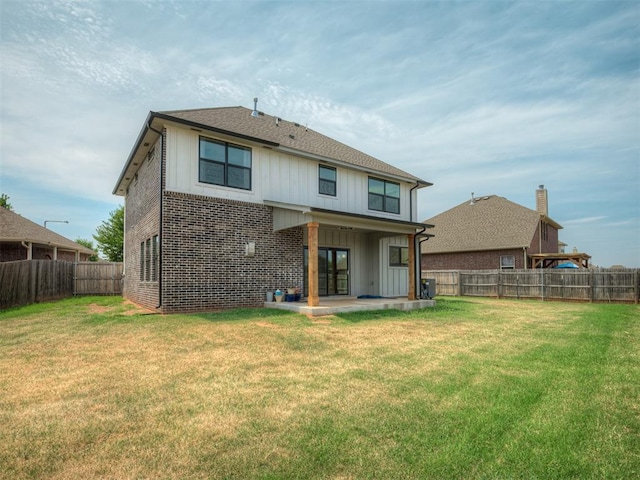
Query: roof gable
[272, 132]
[16, 228]
[487, 223]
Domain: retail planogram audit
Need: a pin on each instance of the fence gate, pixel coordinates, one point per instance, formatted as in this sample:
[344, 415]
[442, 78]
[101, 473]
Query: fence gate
[97, 278]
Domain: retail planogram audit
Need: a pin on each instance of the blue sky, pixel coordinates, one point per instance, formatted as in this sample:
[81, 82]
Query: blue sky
[488, 97]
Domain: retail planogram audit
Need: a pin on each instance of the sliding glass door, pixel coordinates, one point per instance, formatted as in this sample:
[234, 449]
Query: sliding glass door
[333, 271]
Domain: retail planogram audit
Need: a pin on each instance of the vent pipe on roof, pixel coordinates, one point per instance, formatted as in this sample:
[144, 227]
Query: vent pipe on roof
[255, 108]
[473, 199]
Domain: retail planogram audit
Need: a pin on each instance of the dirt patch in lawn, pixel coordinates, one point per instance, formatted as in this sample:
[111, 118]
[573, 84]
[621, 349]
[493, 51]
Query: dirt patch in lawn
[131, 309]
[94, 308]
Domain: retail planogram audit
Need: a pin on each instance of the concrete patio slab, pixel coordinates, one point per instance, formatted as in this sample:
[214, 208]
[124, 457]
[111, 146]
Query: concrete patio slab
[333, 305]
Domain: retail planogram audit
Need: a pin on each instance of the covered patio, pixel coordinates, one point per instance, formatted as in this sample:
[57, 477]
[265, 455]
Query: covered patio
[348, 256]
[342, 304]
[547, 260]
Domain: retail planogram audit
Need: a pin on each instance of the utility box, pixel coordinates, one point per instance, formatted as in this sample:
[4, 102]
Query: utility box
[427, 288]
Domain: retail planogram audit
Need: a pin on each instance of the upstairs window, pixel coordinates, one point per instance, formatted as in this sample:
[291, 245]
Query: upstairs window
[224, 164]
[328, 180]
[398, 256]
[384, 196]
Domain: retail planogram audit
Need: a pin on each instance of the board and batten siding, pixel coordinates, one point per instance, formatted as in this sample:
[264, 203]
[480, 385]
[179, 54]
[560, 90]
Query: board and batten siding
[362, 274]
[275, 176]
[394, 280]
[369, 270]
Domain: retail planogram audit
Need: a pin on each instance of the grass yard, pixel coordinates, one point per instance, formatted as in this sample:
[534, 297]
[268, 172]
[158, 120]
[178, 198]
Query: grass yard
[472, 389]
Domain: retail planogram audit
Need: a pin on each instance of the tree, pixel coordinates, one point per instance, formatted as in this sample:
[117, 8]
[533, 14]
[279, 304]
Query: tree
[4, 202]
[110, 236]
[89, 244]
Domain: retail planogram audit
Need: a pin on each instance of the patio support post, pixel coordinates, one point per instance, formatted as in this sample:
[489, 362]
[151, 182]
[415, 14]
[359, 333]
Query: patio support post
[412, 267]
[312, 235]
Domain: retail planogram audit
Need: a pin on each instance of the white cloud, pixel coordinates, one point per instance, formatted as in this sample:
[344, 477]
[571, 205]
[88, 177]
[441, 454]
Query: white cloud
[575, 221]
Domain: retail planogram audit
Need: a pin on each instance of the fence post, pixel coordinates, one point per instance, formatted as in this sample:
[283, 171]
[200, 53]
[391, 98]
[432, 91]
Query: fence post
[33, 280]
[113, 278]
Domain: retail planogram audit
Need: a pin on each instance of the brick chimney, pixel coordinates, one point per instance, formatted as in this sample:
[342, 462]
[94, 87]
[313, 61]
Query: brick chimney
[542, 201]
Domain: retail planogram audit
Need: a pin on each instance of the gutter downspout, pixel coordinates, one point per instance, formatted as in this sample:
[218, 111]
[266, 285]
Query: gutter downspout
[420, 248]
[417, 265]
[524, 258]
[29, 249]
[411, 202]
[161, 133]
[416, 250]
[540, 235]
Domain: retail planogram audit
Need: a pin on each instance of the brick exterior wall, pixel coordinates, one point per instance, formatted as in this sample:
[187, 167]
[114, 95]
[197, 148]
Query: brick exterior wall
[142, 221]
[204, 265]
[486, 260]
[10, 252]
[550, 245]
[202, 244]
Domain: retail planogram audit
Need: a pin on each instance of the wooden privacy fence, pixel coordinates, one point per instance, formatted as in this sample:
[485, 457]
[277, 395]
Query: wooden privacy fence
[33, 281]
[593, 285]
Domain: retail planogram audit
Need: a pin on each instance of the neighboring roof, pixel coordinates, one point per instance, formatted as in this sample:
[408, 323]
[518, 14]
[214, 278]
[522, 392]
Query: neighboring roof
[488, 223]
[16, 228]
[272, 131]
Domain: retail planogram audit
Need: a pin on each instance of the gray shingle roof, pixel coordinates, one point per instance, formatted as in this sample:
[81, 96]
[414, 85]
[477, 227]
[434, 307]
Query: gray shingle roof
[491, 223]
[16, 228]
[238, 120]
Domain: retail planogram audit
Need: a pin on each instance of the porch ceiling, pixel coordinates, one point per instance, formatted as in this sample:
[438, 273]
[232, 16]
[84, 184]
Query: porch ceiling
[288, 216]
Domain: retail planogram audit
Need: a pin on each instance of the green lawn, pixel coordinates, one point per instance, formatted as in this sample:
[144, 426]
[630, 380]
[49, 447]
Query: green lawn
[472, 389]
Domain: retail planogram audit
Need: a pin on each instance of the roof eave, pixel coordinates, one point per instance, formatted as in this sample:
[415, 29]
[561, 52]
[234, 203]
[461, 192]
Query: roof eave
[551, 222]
[340, 163]
[489, 249]
[47, 243]
[143, 132]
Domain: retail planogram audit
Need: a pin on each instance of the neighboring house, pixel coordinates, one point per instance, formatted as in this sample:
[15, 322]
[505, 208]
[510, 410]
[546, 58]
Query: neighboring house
[22, 239]
[491, 232]
[223, 205]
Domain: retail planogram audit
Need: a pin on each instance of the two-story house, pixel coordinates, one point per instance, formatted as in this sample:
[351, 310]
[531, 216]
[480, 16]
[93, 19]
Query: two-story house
[225, 204]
